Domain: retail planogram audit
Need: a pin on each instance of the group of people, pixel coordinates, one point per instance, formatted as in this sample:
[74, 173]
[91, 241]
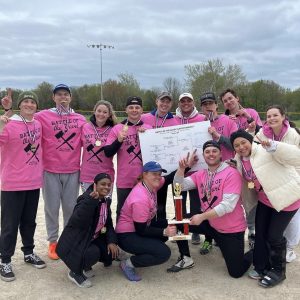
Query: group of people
[252, 180]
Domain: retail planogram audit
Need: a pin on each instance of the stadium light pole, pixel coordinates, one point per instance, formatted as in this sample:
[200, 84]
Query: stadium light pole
[101, 47]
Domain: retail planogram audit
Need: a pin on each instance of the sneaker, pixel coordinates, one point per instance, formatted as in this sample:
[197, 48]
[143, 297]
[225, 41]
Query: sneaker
[6, 272]
[251, 241]
[89, 273]
[182, 263]
[206, 248]
[35, 261]
[52, 251]
[290, 255]
[195, 238]
[79, 280]
[129, 272]
[255, 275]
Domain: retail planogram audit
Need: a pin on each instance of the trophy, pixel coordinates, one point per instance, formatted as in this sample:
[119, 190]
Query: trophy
[179, 217]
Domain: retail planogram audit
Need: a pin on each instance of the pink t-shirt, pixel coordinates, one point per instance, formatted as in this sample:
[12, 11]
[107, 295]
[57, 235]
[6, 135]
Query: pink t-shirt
[158, 122]
[129, 156]
[21, 167]
[61, 140]
[227, 181]
[225, 126]
[249, 175]
[94, 160]
[140, 206]
[196, 118]
[241, 121]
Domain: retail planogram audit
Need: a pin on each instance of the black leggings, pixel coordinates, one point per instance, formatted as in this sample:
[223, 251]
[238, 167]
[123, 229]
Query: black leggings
[270, 244]
[231, 246]
[97, 251]
[149, 251]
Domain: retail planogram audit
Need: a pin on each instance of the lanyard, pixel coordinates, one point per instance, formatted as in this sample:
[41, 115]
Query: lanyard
[62, 110]
[249, 175]
[153, 196]
[31, 134]
[210, 176]
[98, 135]
[162, 122]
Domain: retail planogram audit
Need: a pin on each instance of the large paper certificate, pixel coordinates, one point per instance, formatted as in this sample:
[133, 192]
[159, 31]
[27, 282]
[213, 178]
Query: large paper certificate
[169, 144]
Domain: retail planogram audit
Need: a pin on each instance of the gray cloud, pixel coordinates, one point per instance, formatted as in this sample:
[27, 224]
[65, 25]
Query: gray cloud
[46, 41]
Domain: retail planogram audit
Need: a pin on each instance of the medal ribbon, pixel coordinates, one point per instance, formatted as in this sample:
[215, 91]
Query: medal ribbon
[153, 196]
[249, 175]
[102, 218]
[99, 135]
[162, 122]
[30, 133]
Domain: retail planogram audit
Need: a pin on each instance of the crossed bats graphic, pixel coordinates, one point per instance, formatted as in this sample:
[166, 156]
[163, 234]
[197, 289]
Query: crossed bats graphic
[95, 154]
[28, 148]
[60, 134]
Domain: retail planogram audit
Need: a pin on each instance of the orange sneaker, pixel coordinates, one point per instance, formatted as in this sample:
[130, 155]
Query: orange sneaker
[52, 251]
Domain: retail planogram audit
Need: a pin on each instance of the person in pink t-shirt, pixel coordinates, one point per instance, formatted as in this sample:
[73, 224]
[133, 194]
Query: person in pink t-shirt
[61, 142]
[94, 135]
[123, 140]
[247, 119]
[161, 115]
[221, 128]
[260, 165]
[157, 118]
[222, 214]
[139, 230]
[21, 176]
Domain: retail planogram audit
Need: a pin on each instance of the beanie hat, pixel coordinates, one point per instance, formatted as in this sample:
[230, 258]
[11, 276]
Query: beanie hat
[28, 95]
[241, 133]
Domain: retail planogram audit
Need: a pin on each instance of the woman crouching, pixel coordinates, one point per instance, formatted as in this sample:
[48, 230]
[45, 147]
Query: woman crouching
[89, 236]
[139, 231]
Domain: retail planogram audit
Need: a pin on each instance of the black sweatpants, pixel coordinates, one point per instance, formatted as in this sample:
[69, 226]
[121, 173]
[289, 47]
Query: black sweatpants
[270, 244]
[122, 194]
[231, 246]
[148, 251]
[18, 210]
[97, 252]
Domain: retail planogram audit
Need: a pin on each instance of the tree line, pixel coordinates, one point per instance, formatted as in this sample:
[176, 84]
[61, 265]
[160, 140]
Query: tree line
[211, 75]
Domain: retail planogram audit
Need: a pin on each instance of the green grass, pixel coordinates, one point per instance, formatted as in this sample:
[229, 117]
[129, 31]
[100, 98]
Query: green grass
[297, 123]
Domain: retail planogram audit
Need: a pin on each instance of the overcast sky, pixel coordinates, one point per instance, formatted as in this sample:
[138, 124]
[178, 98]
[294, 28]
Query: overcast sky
[153, 39]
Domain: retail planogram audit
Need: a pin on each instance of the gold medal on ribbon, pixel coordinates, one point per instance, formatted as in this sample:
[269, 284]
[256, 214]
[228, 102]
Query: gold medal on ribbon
[125, 128]
[98, 143]
[250, 185]
[103, 230]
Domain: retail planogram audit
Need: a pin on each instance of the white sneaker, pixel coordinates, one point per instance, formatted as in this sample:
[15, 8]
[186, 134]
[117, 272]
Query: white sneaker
[182, 263]
[290, 255]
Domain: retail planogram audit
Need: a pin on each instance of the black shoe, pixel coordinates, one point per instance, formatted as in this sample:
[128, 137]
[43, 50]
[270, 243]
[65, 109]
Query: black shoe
[79, 280]
[34, 260]
[6, 272]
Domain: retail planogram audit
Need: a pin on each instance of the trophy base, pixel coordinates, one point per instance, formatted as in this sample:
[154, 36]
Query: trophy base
[180, 237]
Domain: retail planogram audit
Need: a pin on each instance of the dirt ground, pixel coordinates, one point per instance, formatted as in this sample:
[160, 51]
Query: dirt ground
[207, 280]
